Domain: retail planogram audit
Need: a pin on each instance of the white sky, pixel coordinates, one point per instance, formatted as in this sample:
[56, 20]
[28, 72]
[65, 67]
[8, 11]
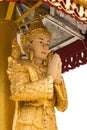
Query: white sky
[75, 117]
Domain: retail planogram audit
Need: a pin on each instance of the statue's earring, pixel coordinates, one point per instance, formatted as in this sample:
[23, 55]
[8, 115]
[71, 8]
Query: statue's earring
[31, 54]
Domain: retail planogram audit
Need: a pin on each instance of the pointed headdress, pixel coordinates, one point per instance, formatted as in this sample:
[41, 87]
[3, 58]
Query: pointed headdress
[36, 26]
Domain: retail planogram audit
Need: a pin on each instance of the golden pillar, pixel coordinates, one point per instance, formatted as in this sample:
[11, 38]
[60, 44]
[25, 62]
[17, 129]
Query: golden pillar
[7, 31]
[3, 9]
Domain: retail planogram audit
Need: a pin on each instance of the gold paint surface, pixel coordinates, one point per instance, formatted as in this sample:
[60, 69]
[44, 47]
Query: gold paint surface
[82, 2]
[7, 32]
[10, 10]
[3, 9]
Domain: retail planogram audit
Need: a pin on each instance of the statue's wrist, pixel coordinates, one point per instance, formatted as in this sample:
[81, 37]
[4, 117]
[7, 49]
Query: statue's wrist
[58, 80]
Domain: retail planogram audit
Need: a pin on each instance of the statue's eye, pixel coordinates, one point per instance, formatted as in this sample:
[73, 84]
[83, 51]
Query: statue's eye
[47, 44]
[41, 42]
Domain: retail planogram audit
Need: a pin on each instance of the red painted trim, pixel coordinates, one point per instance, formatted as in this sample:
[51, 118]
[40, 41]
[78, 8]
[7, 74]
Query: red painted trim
[73, 55]
[64, 10]
[72, 49]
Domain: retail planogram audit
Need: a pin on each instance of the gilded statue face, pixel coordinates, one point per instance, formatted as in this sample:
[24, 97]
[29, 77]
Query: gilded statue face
[40, 45]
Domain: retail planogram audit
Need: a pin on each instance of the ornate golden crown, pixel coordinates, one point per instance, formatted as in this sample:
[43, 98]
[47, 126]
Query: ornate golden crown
[36, 25]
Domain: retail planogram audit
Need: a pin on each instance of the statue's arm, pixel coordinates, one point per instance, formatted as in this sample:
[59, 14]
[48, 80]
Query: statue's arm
[61, 96]
[24, 90]
[41, 89]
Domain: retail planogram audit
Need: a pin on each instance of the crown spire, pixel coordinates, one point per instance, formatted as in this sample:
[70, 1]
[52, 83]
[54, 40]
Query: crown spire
[36, 22]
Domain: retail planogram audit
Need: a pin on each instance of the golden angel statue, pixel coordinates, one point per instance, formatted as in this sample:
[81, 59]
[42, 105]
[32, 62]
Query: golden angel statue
[36, 83]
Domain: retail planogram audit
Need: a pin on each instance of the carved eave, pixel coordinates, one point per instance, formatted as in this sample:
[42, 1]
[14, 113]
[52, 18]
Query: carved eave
[75, 8]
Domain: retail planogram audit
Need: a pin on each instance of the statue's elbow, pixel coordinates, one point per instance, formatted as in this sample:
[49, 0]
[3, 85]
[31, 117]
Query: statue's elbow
[63, 106]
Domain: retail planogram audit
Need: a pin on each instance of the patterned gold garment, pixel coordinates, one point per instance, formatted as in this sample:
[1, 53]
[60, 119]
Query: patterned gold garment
[35, 96]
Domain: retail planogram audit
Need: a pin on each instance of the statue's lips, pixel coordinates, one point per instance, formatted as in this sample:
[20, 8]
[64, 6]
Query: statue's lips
[43, 53]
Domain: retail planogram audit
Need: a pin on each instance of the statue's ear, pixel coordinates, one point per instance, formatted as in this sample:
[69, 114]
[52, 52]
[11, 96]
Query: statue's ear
[28, 44]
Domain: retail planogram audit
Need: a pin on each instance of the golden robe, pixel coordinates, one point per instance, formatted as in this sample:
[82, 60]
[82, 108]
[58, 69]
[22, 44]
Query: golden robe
[35, 96]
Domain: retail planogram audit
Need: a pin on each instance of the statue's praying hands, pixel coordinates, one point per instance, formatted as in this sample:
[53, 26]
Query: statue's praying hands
[55, 68]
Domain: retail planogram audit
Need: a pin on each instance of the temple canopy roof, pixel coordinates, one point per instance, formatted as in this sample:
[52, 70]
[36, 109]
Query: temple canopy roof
[66, 19]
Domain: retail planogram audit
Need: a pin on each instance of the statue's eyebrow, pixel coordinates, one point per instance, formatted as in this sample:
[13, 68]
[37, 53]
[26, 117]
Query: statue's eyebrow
[43, 39]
